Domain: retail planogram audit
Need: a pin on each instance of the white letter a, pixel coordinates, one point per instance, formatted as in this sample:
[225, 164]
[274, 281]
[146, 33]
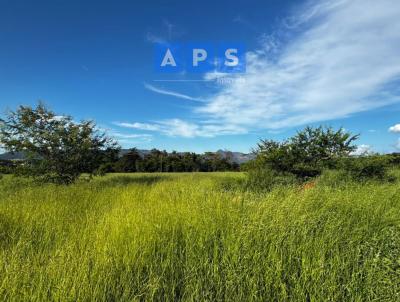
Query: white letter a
[168, 59]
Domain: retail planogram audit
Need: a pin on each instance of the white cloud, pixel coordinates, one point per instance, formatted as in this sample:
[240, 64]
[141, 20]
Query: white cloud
[178, 127]
[337, 58]
[339, 66]
[363, 150]
[395, 128]
[171, 93]
[142, 126]
[131, 139]
[121, 137]
[128, 136]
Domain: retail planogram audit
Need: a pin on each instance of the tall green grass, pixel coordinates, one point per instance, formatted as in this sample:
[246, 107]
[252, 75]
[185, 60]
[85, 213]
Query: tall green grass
[189, 237]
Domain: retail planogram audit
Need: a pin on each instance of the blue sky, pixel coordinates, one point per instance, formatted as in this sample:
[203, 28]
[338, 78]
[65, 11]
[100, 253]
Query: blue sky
[330, 62]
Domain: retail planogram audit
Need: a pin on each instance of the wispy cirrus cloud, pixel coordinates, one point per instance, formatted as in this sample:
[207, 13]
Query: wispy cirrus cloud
[129, 139]
[171, 93]
[128, 136]
[342, 63]
[142, 126]
[341, 59]
[178, 127]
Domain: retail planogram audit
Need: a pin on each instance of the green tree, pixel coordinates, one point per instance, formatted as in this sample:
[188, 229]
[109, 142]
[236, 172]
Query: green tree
[308, 152]
[129, 162]
[58, 149]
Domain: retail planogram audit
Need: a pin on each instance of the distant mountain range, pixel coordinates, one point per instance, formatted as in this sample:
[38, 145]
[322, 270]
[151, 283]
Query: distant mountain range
[237, 157]
[12, 156]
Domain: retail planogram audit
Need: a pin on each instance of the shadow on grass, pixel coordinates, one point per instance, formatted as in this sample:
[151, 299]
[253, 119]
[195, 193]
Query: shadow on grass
[124, 180]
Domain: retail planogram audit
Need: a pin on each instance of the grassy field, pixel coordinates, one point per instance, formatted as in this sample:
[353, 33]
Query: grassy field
[194, 237]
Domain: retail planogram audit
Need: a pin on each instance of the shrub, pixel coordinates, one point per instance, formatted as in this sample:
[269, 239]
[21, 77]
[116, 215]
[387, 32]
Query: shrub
[300, 158]
[373, 167]
[394, 159]
[307, 153]
[358, 169]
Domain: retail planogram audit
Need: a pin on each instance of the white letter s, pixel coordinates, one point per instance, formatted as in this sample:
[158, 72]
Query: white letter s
[234, 60]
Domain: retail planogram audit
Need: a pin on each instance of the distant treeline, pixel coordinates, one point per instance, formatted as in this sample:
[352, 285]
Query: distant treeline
[154, 161]
[162, 161]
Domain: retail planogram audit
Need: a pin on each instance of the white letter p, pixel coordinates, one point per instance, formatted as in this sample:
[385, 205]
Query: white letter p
[199, 55]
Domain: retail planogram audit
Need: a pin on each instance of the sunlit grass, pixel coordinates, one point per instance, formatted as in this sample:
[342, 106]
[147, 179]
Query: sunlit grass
[190, 237]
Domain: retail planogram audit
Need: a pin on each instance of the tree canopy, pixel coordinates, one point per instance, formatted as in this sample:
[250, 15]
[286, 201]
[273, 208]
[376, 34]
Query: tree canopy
[58, 149]
[308, 152]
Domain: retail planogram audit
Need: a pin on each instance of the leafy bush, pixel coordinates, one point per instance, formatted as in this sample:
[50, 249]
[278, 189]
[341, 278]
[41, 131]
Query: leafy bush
[373, 167]
[394, 159]
[307, 153]
[358, 169]
[304, 156]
